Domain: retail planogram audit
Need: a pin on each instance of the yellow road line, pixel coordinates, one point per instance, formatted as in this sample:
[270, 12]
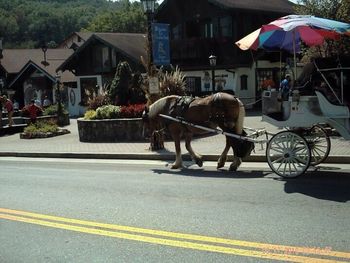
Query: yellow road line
[264, 247]
[168, 242]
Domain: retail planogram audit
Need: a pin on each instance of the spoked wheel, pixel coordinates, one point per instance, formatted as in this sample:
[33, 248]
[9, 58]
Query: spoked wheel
[288, 154]
[319, 143]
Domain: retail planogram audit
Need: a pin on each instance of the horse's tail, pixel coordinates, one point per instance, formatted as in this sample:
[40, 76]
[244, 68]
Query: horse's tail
[241, 116]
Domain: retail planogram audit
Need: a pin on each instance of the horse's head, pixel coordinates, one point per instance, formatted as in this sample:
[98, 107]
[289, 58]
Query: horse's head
[242, 148]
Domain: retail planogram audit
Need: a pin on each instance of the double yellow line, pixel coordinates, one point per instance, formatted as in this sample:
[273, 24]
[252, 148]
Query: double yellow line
[181, 240]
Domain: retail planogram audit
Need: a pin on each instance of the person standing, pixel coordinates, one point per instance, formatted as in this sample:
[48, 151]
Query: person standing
[46, 102]
[0, 111]
[285, 87]
[9, 108]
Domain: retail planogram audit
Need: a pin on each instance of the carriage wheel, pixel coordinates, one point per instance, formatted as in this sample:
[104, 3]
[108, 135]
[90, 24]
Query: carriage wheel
[319, 143]
[288, 154]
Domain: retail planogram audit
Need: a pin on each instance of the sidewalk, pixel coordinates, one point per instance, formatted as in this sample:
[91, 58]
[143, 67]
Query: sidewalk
[69, 146]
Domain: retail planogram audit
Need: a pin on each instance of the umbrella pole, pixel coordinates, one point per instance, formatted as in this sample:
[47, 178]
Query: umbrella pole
[280, 66]
[295, 60]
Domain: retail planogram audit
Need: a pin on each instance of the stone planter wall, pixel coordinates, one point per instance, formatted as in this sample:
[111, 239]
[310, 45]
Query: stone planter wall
[112, 130]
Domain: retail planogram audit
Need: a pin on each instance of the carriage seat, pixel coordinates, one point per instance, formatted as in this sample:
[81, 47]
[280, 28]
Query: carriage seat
[330, 110]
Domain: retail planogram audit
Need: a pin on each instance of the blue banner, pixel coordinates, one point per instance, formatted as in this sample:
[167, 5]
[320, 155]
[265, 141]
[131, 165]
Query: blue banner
[161, 45]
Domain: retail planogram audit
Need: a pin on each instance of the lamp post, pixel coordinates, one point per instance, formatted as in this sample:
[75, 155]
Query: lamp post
[58, 99]
[44, 49]
[212, 61]
[148, 8]
[1, 80]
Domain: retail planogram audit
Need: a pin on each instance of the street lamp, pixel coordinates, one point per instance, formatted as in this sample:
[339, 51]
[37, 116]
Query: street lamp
[44, 49]
[1, 56]
[148, 8]
[58, 99]
[212, 61]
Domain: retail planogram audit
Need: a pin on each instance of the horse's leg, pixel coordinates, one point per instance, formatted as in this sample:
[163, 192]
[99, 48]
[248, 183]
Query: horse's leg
[223, 156]
[197, 158]
[238, 130]
[176, 135]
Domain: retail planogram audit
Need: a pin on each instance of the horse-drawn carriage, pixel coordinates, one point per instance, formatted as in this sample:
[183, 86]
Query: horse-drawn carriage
[303, 116]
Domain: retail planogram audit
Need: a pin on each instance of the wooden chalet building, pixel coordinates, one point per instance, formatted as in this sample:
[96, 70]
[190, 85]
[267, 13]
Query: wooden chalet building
[202, 28]
[94, 62]
[26, 74]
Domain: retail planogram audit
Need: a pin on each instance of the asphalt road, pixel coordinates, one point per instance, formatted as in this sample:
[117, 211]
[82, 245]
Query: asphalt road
[57, 210]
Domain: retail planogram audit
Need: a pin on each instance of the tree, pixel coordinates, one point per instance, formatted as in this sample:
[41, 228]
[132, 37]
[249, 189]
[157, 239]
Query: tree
[331, 9]
[128, 19]
[119, 88]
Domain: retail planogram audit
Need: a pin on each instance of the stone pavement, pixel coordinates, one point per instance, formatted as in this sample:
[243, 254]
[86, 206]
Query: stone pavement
[210, 146]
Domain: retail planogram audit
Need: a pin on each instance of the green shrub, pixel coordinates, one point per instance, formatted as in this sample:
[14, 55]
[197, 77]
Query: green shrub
[90, 115]
[52, 110]
[41, 127]
[108, 112]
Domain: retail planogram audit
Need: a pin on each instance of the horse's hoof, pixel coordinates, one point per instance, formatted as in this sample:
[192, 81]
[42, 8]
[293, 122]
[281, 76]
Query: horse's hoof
[221, 163]
[199, 162]
[176, 166]
[235, 164]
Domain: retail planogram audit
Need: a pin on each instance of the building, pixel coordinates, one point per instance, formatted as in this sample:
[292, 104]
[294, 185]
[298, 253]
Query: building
[94, 62]
[28, 74]
[202, 28]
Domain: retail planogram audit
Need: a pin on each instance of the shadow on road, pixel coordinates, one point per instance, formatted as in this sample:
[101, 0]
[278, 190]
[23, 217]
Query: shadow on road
[321, 184]
[213, 174]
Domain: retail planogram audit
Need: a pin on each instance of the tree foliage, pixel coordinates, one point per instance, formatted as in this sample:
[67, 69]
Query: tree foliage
[29, 23]
[129, 18]
[332, 9]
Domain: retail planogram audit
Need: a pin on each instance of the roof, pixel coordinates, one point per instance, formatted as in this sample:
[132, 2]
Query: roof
[284, 6]
[15, 60]
[131, 45]
[279, 6]
[83, 35]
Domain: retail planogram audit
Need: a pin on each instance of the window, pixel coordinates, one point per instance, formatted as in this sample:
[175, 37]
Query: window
[176, 32]
[101, 59]
[244, 82]
[226, 26]
[193, 85]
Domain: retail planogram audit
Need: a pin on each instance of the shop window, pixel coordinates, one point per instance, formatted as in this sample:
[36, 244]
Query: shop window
[244, 82]
[193, 85]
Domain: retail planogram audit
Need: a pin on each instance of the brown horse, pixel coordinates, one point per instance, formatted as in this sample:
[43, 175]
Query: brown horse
[218, 110]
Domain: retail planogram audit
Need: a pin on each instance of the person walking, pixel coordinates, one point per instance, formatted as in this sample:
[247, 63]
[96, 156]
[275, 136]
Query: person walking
[9, 108]
[33, 111]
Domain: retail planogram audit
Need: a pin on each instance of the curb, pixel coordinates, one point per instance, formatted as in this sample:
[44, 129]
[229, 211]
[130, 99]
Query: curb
[150, 156]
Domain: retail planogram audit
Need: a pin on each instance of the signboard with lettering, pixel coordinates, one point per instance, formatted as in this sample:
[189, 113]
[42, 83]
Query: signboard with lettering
[153, 85]
[161, 46]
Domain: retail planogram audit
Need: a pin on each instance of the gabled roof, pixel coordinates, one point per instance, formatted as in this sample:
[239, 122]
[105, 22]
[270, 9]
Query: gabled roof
[34, 66]
[278, 6]
[131, 45]
[83, 35]
[15, 60]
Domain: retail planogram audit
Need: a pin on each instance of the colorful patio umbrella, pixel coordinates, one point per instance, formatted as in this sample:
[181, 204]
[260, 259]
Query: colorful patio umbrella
[287, 33]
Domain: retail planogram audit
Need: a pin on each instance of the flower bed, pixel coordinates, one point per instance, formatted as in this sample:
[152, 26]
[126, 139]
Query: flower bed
[42, 129]
[110, 123]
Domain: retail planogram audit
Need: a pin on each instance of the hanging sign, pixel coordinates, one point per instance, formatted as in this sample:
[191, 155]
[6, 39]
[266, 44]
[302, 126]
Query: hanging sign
[153, 85]
[161, 46]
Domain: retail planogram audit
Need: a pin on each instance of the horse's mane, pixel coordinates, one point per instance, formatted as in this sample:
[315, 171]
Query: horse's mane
[160, 105]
